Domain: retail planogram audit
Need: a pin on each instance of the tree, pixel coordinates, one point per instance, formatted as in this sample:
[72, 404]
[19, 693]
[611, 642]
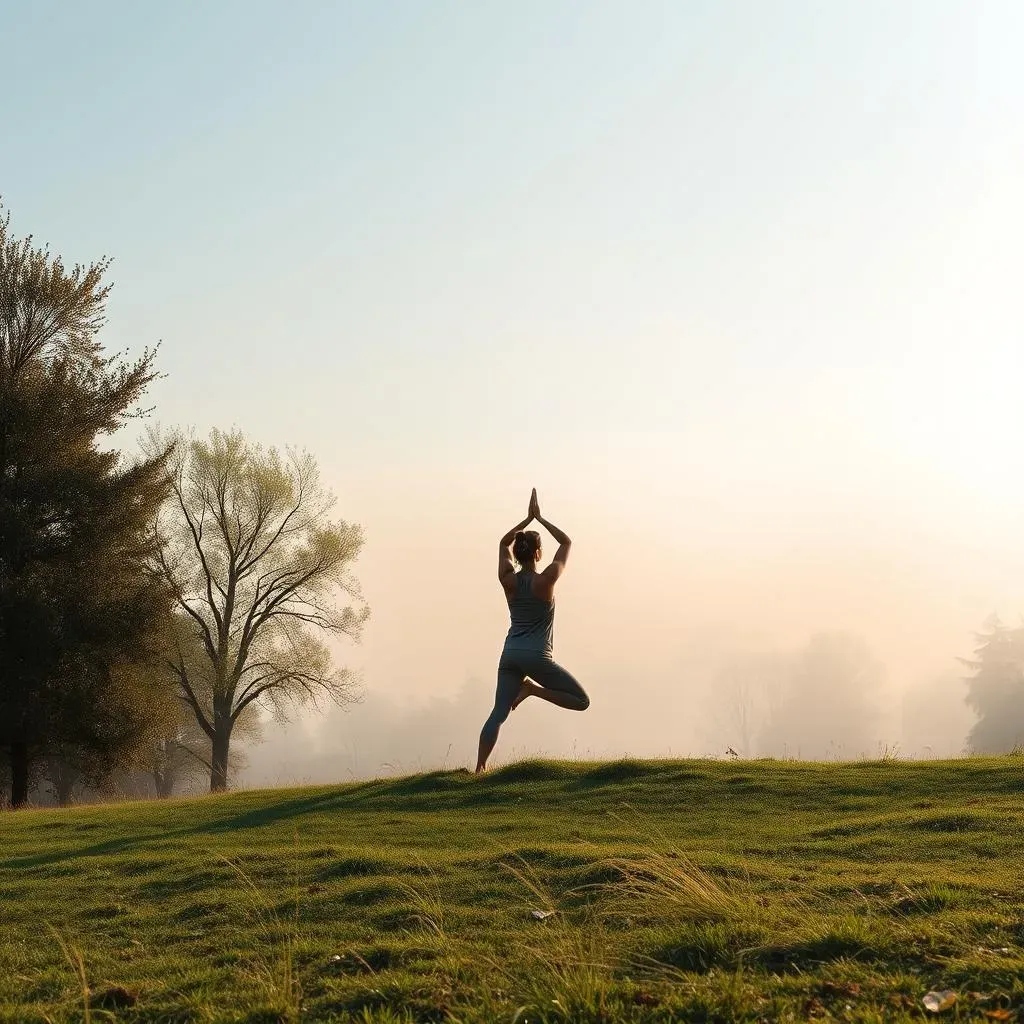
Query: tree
[995, 690]
[827, 705]
[745, 693]
[180, 753]
[72, 517]
[178, 756]
[935, 717]
[253, 562]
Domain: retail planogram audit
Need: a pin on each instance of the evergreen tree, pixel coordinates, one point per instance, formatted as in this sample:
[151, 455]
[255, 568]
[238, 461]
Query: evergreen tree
[995, 689]
[79, 608]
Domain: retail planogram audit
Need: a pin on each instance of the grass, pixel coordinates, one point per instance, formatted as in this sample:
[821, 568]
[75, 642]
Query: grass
[677, 891]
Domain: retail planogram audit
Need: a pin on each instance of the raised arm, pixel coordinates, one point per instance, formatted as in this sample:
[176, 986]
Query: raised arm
[505, 566]
[557, 566]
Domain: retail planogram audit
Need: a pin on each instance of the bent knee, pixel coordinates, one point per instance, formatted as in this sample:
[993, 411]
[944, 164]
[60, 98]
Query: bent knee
[496, 720]
[584, 702]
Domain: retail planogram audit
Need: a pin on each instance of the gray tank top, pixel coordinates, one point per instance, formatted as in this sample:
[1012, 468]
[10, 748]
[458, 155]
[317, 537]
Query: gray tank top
[533, 620]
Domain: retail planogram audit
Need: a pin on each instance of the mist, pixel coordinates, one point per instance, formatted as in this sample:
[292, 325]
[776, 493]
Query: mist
[694, 636]
[736, 287]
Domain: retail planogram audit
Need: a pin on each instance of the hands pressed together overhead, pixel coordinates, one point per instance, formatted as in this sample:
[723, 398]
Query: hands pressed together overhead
[533, 513]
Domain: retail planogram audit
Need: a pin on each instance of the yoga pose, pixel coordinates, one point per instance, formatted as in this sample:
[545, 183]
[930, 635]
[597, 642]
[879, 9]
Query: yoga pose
[526, 668]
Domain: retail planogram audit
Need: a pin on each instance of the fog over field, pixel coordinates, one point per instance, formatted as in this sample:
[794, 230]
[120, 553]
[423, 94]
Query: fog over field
[693, 633]
[735, 285]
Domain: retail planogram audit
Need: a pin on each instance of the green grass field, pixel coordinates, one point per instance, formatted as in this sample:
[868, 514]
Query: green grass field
[681, 890]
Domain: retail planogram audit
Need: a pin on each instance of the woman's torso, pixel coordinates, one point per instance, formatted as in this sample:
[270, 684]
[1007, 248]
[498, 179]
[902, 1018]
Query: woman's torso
[532, 618]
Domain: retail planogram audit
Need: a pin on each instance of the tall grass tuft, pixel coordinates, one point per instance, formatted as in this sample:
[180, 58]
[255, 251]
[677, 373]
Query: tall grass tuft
[428, 905]
[662, 878]
[278, 974]
[75, 959]
[565, 973]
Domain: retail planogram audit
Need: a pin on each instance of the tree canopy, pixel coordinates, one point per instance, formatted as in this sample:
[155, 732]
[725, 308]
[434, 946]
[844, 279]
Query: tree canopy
[80, 607]
[995, 690]
[254, 563]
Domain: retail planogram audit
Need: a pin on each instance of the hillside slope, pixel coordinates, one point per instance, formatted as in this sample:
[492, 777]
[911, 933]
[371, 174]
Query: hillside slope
[681, 890]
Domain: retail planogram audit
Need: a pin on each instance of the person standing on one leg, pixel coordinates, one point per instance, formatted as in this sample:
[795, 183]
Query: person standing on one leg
[527, 668]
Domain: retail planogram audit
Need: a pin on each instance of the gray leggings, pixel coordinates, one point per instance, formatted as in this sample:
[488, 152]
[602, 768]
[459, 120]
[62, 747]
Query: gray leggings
[513, 668]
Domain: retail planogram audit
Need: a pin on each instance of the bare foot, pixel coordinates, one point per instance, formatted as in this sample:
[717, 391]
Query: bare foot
[524, 691]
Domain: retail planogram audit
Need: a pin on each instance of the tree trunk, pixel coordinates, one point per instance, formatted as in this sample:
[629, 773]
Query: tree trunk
[65, 785]
[219, 762]
[164, 782]
[19, 774]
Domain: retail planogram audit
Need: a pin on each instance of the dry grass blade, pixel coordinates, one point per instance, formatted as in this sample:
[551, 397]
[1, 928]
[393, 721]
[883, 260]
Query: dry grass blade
[569, 966]
[530, 881]
[429, 906]
[675, 885]
[668, 878]
[74, 958]
[279, 977]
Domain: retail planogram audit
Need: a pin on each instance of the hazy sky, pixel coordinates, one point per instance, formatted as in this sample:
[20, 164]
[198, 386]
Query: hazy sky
[737, 286]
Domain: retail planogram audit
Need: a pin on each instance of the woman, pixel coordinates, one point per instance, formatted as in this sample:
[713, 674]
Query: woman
[526, 668]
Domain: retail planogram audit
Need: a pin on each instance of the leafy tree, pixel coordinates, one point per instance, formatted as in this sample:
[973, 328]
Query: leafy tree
[79, 605]
[179, 756]
[254, 563]
[995, 689]
[180, 753]
[172, 754]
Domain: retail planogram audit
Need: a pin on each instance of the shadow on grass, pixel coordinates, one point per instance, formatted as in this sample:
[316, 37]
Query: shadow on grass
[625, 770]
[791, 785]
[343, 798]
[704, 946]
[814, 952]
[910, 952]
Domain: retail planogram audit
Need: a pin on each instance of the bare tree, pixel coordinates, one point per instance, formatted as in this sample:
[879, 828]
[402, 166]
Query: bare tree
[829, 703]
[180, 756]
[745, 693]
[254, 563]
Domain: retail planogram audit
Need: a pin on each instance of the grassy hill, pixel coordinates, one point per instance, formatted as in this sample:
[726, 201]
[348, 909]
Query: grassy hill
[681, 890]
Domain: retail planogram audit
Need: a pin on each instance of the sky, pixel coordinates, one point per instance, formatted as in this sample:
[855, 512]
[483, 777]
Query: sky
[735, 285]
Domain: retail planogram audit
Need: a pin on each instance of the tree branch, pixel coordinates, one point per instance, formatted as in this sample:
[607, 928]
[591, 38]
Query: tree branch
[197, 539]
[189, 697]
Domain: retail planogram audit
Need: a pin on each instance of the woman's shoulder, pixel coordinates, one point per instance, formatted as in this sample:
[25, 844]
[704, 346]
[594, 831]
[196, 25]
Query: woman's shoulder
[541, 588]
[513, 584]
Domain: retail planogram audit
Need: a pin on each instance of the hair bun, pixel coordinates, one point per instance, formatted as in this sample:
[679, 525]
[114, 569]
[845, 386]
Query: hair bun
[526, 546]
